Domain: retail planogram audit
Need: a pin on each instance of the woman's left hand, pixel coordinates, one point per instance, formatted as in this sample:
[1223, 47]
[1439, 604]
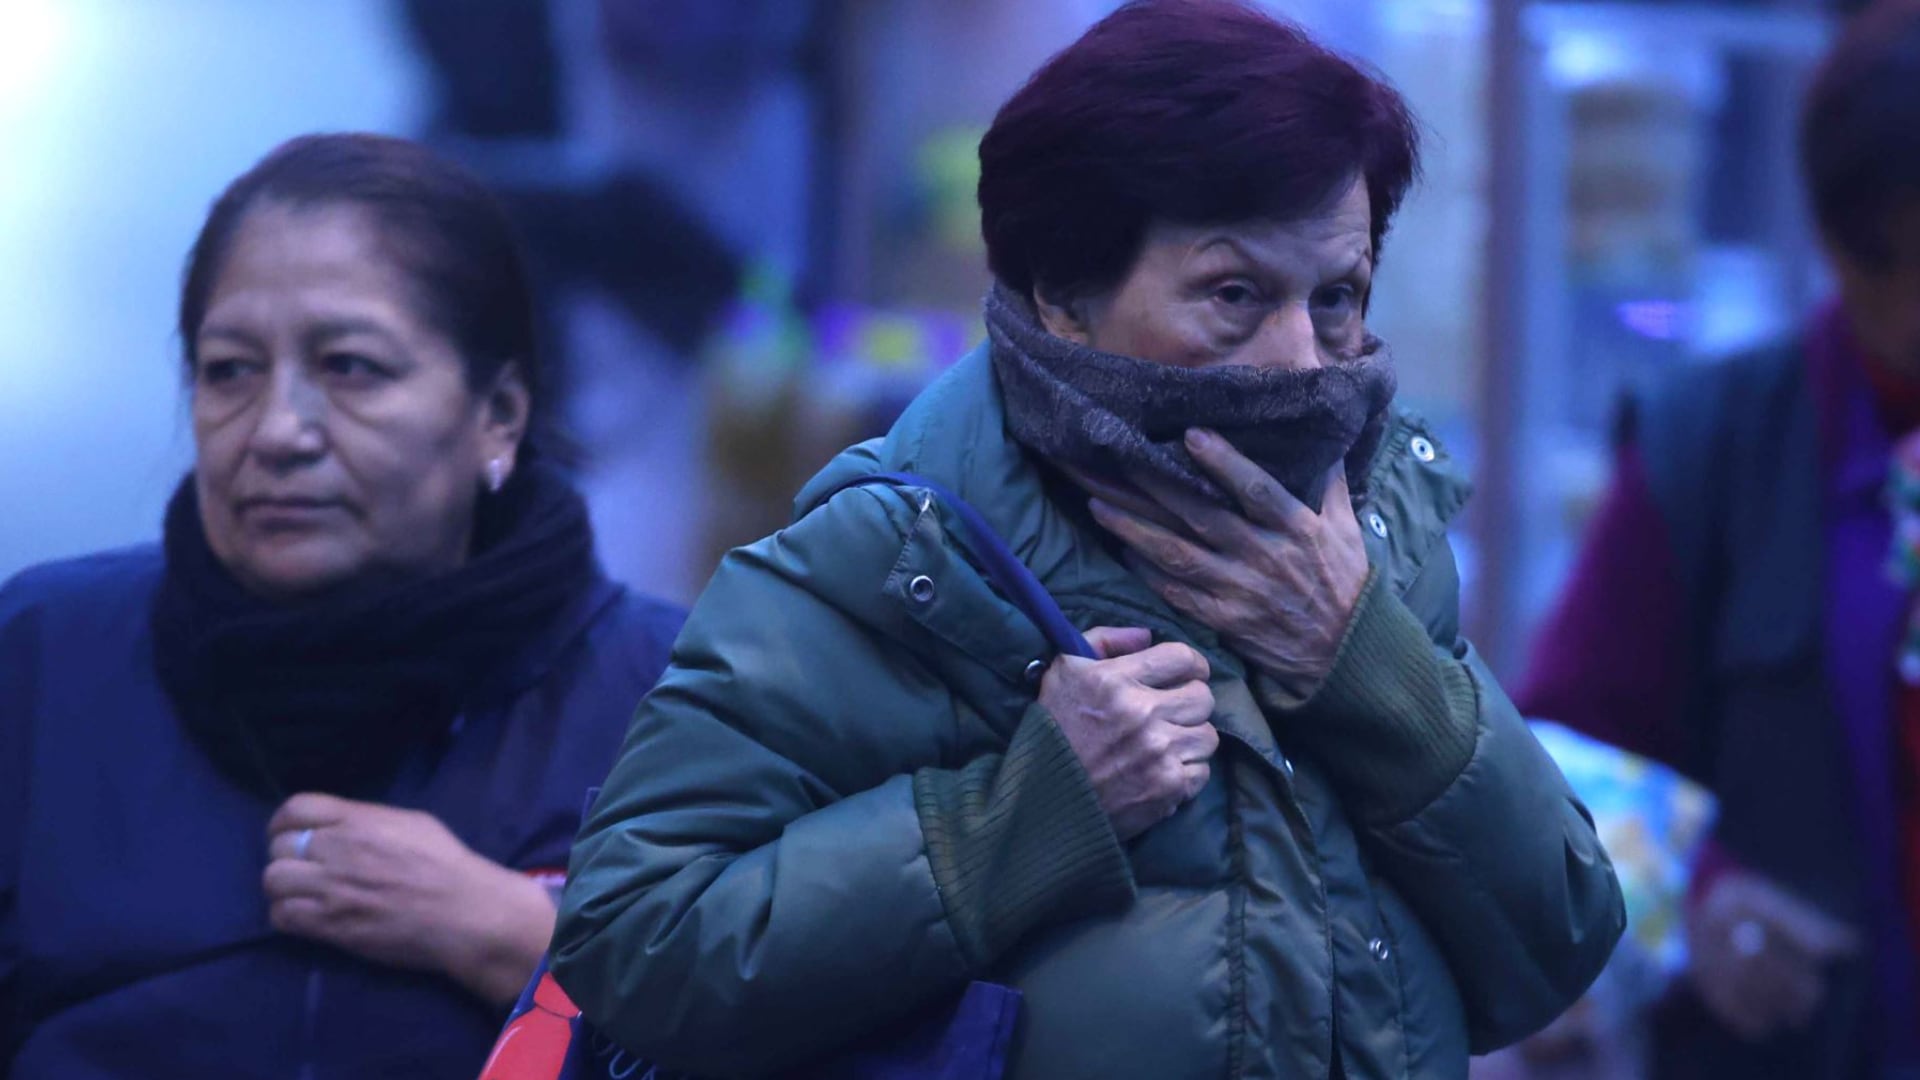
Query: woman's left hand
[1277, 581]
[397, 888]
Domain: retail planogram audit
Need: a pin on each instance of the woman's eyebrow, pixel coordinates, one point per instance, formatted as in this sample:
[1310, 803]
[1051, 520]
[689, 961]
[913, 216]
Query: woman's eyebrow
[1357, 261]
[1207, 243]
[334, 328]
[232, 334]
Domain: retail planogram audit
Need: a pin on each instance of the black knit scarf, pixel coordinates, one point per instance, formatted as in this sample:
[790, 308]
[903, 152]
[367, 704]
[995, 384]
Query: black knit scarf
[332, 693]
[1115, 416]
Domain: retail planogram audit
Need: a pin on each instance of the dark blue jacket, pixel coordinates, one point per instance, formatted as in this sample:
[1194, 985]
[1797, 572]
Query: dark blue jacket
[133, 930]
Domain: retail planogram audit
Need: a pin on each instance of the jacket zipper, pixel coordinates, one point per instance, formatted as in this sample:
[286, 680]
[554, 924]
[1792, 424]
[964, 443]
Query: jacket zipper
[310, 1028]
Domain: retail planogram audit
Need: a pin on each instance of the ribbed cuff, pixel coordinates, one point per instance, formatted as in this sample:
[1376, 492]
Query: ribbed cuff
[1395, 721]
[1018, 840]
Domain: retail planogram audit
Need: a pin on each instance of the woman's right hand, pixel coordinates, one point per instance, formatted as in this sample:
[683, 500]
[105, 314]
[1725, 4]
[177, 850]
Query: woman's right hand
[397, 887]
[1759, 954]
[1138, 720]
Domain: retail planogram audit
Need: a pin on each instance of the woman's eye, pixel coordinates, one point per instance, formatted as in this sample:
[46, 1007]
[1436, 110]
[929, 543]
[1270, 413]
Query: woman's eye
[351, 366]
[1337, 302]
[222, 371]
[1236, 294]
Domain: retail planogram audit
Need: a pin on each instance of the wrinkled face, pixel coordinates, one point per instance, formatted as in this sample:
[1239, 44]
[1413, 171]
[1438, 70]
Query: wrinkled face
[1259, 293]
[1883, 303]
[337, 437]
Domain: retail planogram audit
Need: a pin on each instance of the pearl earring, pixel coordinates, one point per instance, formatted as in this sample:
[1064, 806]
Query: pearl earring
[496, 474]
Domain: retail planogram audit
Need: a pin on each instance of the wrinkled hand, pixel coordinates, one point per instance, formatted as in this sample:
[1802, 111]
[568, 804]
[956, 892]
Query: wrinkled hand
[1277, 581]
[397, 888]
[1137, 719]
[1758, 954]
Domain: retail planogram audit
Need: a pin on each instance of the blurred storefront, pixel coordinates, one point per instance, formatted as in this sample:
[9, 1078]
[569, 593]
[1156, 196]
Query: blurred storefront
[1649, 215]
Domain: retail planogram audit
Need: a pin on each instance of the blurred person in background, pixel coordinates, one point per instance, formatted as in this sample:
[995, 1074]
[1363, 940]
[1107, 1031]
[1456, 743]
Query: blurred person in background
[496, 73]
[1742, 611]
[289, 793]
[1286, 823]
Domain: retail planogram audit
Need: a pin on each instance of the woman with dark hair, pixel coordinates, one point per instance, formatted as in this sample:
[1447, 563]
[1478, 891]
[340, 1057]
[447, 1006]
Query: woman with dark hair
[1757, 509]
[1281, 822]
[288, 794]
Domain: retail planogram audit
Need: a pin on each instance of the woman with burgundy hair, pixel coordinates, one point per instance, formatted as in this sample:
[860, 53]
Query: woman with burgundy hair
[1271, 817]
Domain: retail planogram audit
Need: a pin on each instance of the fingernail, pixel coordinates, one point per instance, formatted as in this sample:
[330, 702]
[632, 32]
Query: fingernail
[1099, 507]
[1199, 439]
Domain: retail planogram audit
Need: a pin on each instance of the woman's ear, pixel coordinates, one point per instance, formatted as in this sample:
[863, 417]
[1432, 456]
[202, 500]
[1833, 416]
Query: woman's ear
[507, 410]
[1065, 317]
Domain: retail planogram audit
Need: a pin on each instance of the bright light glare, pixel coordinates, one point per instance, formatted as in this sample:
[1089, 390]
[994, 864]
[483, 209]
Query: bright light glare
[1580, 59]
[32, 35]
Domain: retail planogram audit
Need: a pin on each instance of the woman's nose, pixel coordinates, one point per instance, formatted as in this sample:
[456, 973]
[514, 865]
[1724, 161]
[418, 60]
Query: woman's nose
[1287, 340]
[292, 422]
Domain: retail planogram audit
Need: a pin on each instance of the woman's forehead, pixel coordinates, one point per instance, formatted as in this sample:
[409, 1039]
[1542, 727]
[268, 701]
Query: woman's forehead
[1342, 227]
[319, 263]
[280, 236]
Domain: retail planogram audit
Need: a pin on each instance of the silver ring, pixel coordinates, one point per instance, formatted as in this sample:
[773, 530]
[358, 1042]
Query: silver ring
[1749, 939]
[302, 840]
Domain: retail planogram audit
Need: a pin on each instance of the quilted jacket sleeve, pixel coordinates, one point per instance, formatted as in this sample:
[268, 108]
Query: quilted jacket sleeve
[755, 885]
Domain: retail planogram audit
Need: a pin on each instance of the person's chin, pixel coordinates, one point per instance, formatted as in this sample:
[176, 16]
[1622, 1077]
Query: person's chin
[291, 565]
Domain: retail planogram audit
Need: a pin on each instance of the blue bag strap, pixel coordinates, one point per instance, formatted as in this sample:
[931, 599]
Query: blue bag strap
[1002, 566]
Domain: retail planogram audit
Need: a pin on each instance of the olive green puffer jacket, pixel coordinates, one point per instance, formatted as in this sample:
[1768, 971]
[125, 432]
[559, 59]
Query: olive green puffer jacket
[842, 802]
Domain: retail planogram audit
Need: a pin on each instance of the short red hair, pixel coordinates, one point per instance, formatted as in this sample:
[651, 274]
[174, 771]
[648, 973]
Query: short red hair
[1187, 111]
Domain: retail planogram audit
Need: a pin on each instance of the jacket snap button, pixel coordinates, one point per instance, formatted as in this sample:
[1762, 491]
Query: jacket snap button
[921, 589]
[1422, 447]
[1379, 949]
[1036, 671]
[1378, 524]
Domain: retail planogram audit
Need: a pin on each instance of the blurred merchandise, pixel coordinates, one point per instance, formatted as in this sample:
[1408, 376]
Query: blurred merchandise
[1652, 821]
[1903, 561]
[787, 389]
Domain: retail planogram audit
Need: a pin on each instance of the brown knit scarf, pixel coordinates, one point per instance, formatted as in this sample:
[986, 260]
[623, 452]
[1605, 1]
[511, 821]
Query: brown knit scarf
[1115, 416]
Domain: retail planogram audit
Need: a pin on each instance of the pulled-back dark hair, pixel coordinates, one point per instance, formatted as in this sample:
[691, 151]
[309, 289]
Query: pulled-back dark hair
[1186, 111]
[1860, 131]
[444, 230]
